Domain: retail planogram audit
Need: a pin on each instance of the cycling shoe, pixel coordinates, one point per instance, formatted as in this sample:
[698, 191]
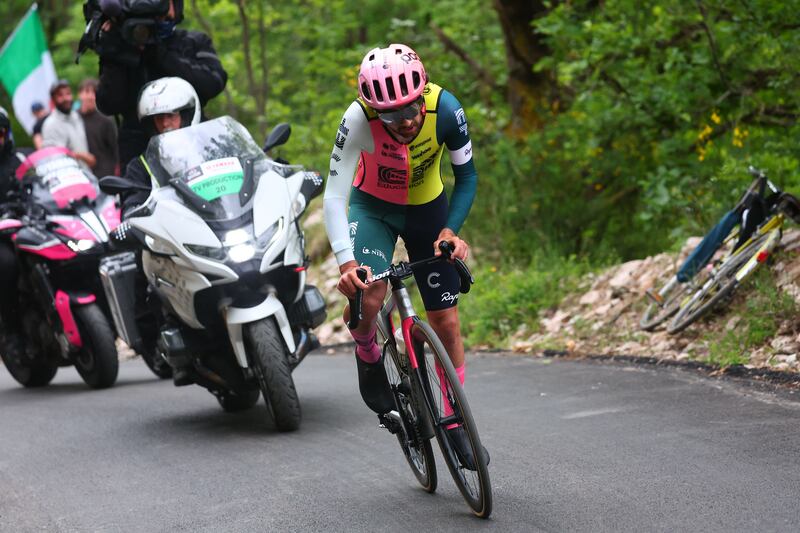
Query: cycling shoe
[460, 441]
[374, 386]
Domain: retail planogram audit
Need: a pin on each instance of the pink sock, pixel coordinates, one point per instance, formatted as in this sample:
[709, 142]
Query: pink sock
[366, 348]
[460, 372]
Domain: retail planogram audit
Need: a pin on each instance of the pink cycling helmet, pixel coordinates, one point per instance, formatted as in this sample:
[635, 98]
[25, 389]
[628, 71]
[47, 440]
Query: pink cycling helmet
[391, 77]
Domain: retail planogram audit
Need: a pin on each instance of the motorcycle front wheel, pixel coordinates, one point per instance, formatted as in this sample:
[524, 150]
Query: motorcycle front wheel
[97, 361]
[268, 353]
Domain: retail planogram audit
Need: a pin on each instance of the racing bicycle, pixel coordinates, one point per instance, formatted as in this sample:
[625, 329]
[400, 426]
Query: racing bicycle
[428, 395]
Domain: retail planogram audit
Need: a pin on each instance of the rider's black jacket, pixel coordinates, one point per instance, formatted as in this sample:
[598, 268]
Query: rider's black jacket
[186, 54]
[131, 199]
[9, 161]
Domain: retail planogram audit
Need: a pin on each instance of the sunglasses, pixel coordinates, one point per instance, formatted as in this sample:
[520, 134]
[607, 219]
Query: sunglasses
[404, 113]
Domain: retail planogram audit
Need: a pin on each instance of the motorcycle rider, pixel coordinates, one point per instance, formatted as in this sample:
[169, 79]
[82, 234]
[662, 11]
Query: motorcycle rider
[165, 104]
[10, 323]
[392, 137]
[186, 54]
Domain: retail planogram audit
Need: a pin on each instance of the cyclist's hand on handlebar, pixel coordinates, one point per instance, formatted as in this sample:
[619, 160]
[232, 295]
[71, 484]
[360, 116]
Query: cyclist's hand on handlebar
[349, 282]
[460, 246]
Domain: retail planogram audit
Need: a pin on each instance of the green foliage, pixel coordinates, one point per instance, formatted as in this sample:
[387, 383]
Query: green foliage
[658, 109]
[666, 105]
[762, 309]
[505, 298]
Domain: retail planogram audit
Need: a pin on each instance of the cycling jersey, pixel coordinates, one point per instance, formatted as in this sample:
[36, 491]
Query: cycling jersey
[396, 173]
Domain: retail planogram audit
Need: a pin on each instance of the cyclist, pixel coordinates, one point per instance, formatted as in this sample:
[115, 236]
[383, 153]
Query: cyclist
[392, 138]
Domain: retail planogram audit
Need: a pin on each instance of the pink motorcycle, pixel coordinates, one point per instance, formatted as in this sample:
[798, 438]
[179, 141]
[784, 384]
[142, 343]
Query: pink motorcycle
[60, 235]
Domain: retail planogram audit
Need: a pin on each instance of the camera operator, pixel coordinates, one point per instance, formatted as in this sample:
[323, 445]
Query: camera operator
[126, 67]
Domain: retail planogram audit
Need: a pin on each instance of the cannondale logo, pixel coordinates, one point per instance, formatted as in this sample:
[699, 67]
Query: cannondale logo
[391, 176]
[431, 280]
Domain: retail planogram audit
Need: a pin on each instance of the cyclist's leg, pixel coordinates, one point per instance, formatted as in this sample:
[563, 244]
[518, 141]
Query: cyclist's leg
[438, 283]
[373, 236]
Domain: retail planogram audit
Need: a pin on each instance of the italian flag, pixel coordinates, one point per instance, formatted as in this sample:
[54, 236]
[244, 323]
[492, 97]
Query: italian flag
[26, 68]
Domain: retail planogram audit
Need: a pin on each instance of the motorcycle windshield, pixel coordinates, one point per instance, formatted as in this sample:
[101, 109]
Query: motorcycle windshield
[61, 179]
[211, 159]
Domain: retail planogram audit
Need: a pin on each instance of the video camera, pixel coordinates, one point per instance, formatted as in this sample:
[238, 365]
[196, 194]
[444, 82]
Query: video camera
[135, 22]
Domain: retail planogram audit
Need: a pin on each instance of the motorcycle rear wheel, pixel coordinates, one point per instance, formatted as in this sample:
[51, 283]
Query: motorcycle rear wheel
[97, 361]
[268, 353]
[35, 374]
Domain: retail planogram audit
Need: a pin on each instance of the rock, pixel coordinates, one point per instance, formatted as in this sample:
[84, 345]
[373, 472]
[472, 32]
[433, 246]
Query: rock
[555, 323]
[594, 296]
[731, 325]
[624, 275]
[124, 352]
[785, 345]
[522, 347]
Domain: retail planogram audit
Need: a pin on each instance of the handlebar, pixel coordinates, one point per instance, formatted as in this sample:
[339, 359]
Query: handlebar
[404, 270]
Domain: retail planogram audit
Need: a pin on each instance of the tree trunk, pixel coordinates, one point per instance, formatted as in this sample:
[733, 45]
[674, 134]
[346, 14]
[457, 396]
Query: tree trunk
[530, 94]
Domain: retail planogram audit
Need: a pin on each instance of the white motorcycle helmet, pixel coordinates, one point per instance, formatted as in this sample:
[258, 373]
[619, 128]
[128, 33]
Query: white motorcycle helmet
[168, 95]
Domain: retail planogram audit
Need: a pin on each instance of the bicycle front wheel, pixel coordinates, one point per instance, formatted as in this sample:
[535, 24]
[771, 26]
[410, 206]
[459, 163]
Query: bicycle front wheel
[416, 449]
[448, 407]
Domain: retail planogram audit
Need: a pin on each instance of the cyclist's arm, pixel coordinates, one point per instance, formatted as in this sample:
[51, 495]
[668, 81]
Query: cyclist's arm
[452, 129]
[352, 137]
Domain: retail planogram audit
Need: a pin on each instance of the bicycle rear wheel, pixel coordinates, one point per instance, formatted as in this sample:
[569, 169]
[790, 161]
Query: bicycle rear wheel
[444, 393]
[717, 289]
[416, 449]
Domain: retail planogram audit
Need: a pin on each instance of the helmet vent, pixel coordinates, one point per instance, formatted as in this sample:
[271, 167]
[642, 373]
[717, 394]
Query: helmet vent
[403, 85]
[390, 89]
[415, 79]
[365, 90]
[378, 93]
[371, 57]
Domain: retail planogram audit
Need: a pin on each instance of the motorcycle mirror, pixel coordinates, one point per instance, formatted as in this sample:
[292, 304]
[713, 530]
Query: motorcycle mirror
[278, 136]
[117, 185]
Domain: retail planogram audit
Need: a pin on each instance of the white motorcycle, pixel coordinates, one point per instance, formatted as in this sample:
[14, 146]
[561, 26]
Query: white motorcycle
[223, 250]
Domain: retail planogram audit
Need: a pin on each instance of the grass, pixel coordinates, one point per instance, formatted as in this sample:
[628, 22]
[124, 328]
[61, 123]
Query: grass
[506, 297]
[762, 308]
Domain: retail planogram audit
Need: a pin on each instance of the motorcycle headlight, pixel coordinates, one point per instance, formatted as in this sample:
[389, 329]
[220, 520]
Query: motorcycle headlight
[207, 251]
[81, 245]
[241, 252]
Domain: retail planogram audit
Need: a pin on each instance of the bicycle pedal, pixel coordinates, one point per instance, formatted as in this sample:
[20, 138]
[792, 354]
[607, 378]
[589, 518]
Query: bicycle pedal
[390, 421]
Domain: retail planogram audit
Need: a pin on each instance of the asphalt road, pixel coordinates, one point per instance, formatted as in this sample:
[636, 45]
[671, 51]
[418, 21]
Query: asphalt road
[575, 446]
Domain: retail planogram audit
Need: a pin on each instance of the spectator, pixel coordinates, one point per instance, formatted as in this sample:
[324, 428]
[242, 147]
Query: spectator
[184, 54]
[101, 132]
[41, 113]
[64, 126]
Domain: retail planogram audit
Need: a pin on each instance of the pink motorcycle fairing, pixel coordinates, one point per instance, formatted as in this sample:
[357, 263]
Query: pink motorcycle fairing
[10, 224]
[60, 174]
